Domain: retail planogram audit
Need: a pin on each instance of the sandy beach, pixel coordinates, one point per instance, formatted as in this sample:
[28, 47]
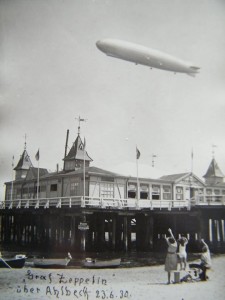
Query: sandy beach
[125, 283]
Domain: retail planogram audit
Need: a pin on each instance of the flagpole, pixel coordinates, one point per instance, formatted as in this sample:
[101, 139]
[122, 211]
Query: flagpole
[84, 168]
[192, 160]
[137, 157]
[37, 156]
[38, 181]
[11, 196]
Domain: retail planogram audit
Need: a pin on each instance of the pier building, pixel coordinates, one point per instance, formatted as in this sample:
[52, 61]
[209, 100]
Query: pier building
[85, 207]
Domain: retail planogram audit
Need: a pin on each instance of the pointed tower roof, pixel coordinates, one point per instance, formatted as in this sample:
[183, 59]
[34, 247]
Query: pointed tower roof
[24, 162]
[77, 151]
[213, 170]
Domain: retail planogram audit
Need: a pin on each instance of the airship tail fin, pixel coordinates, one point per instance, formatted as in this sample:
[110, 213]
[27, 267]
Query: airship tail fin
[191, 74]
[194, 68]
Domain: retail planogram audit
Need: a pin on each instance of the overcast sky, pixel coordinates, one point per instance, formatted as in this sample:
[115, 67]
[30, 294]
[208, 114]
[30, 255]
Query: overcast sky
[52, 72]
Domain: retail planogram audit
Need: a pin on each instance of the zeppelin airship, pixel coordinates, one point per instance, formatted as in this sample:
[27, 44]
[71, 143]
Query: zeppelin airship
[142, 55]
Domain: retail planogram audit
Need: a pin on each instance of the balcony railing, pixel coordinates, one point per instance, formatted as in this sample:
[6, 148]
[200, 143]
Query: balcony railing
[111, 203]
[93, 202]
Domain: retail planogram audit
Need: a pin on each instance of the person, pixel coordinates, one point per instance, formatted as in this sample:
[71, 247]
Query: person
[205, 263]
[171, 257]
[182, 254]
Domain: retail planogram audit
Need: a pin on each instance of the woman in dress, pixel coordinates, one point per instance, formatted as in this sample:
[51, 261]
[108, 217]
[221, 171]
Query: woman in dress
[171, 257]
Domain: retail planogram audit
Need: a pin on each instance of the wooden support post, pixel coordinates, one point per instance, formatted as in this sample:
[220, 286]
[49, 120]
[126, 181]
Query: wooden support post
[73, 235]
[125, 237]
[149, 232]
[220, 230]
[113, 232]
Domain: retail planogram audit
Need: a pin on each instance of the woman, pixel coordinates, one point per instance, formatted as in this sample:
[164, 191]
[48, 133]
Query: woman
[171, 257]
[205, 263]
[182, 254]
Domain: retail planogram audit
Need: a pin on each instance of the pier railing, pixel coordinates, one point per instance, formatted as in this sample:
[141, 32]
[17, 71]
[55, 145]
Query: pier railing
[93, 202]
[110, 203]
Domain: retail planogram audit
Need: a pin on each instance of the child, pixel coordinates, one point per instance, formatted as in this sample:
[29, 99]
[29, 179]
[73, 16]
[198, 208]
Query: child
[171, 257]
[205, 263]
[182, 254]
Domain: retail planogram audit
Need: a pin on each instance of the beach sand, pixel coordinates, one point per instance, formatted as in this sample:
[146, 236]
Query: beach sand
[124, 283]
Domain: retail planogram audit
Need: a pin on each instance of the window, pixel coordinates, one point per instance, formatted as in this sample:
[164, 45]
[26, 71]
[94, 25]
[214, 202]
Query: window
[217, 192]
[143, 192]
[74, 189]
[208, 191]
[166, 192]
[179, 193]
[155, 192]
[53, 187]
[107, 190]
[131, 191]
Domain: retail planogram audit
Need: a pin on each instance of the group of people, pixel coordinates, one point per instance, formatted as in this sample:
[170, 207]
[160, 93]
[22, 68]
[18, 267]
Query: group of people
[176, 252]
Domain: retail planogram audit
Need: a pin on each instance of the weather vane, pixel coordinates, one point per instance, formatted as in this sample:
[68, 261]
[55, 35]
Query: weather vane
[80, 120]
[153, 160]
[213, 150]
[25, 141]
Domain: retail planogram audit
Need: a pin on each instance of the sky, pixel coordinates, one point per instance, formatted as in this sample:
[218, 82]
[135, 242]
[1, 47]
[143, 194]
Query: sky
[51, 72]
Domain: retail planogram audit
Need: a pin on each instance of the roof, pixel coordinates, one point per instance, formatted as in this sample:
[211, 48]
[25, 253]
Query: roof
[78, 151]
[24, 162]
[33, 173]
[213, 170]
[174, 177]
[94, 171]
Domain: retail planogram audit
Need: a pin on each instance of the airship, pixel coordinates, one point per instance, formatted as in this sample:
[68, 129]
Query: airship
[141, 55]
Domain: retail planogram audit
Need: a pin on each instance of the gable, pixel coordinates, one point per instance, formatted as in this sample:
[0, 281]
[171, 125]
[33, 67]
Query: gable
[190, 180]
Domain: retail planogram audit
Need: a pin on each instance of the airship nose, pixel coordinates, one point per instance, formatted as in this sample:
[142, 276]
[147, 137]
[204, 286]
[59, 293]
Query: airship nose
[98, 44]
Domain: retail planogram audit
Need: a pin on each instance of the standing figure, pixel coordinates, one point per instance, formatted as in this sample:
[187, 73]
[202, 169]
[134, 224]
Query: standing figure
[171, 257]
[205, 263]
[182, 254]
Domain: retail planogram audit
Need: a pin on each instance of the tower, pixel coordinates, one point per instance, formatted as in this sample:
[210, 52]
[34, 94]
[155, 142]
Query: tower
[23, 165]
[213, 175]
[77, 156]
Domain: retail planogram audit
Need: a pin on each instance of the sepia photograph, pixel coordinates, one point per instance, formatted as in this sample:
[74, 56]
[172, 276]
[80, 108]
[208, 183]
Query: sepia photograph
[112, 157]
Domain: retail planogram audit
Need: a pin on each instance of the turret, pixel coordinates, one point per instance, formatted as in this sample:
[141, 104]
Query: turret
[23, 166]
[77, 155]
[214, 175]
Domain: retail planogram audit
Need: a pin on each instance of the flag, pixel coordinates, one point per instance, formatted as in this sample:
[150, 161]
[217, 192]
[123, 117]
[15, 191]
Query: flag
[138, 153]
[37, 156]
[84, 143]
[192, 154]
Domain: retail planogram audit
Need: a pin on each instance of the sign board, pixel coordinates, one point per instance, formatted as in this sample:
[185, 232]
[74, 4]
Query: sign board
[83, 226]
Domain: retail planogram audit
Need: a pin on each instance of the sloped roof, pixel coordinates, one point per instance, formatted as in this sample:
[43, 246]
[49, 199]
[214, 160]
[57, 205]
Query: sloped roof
[33, 173]
[94, 171]
[24, 162]
[174, 177]
[213, 170]
[77, 151]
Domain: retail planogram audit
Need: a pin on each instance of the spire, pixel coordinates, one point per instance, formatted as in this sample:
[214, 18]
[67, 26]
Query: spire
[24, 162]
[213, 170]
[23, 165]
[77, 155]
[77, 151]
[214, 175]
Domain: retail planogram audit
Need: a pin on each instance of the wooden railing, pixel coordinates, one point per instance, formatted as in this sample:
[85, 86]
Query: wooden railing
[93, 202]
[112, 203]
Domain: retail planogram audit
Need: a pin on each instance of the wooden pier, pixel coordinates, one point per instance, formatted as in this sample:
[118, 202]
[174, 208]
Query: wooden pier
[96, 224]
